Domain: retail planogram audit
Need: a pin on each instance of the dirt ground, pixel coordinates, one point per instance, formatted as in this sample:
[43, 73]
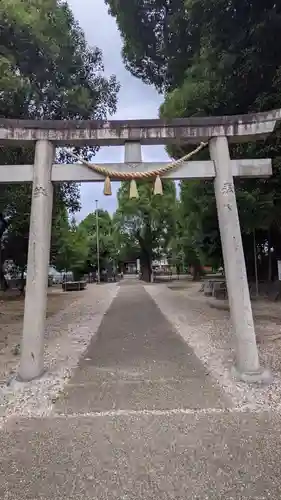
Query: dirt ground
[263, 308]
[11, 320]
[267, 319]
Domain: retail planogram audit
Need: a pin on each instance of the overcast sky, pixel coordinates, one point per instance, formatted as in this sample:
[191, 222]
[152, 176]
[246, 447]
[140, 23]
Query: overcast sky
[135, 100]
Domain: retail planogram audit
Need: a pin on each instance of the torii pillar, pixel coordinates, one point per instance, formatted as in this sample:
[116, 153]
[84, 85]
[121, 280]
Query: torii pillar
[247, 366]
[32, 346]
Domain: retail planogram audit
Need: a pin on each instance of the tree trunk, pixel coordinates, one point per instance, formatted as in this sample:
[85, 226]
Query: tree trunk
[22, 284]
[276, 244]
[146, 274]
[269, 257]
[146, 268]
[3, 282]
[197, 272]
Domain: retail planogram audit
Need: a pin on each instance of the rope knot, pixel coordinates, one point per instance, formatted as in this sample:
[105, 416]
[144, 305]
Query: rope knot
[133, 176]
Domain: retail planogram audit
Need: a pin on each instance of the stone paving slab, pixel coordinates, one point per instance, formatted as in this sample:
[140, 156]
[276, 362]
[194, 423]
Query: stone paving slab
[222, 456]
[137, 361]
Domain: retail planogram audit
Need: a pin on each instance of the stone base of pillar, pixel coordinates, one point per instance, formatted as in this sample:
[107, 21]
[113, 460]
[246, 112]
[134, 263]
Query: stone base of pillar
[262, 376]
[19, 378]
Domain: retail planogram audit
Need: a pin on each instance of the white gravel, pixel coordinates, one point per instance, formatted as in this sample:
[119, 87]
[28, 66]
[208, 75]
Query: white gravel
[208, 331]
[68, 334]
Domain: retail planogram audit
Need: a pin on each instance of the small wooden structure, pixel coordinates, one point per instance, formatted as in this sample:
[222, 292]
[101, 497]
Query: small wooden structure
[74, 286]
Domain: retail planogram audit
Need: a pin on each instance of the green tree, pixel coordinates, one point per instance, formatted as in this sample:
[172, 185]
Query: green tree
[47, 71]
[147, 222]
[72, 247]
[222, 48]
[159, 39]
[236, 71]
[106, 238]
[50, 71]
[229, 66]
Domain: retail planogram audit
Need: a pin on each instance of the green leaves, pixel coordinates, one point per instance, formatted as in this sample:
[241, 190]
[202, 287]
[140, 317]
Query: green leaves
[47, 71]
[46, 61]
[106, 236]
[211, 57]
[72, 246]
[158, 39]
[147, 223]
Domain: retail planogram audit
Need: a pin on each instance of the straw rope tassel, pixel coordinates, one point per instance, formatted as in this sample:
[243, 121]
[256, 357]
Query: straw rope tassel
[158, 188]
[131, 176]
[133, 189]
[107, 186]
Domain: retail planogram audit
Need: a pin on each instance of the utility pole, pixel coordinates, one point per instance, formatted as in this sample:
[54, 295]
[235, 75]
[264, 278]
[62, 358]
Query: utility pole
[98, 242]
[256, 263]
[3, 226]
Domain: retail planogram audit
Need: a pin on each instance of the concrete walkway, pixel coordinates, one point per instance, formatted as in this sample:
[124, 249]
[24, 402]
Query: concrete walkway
[141, 419]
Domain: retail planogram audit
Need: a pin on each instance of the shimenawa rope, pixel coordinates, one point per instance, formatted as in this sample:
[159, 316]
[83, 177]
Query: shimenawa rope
[132, 176]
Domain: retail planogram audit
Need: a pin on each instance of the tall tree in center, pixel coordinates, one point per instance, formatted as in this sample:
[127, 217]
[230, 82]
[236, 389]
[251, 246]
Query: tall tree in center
[147, 222]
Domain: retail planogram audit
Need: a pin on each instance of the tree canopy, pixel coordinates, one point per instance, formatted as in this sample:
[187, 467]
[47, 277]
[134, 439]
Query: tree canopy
[77, 244]
[214, 57]
[208, 57]
[47, 71]
[146, 223]
[106, 238]
[72, 246]
[225, 47]
[159, 39]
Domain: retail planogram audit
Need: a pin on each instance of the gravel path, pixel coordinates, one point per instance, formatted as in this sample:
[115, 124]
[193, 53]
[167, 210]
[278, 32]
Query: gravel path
[68, 334]
[138, 362]
[208, 332]
[141, 417]
[11, 324]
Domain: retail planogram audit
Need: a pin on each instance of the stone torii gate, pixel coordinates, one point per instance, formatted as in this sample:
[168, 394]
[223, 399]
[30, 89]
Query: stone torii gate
[47, 135]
